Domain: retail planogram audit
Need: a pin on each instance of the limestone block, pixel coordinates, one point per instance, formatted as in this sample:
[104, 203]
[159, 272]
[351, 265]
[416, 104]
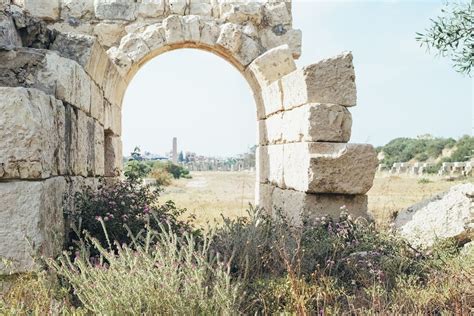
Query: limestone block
[249, 50]
[272, 98]
[32, 131]
[45, 9]
[115, 9]
[271, 165]
[114, 86]
[99, 150]
[97, 103]
[47, 71]
[173, 29]
[299, 206]
[77, 9]
[73, 25]
[329, 81]
[134, 47]
[241, 12]
[86, 51]
[113, 155]
[230, 37]
[82, 145]
[109, 34]
[9, 37]
[270, 130]
[309, 123]
[276, 14]
[121, 60]
[177, 6]
[154, 36]
[191, 28]
[31, 222]
[151, 8]
[272, 65]
[290, 37]
[263, 196]
[251, 30]
[95, 149]
[210, 32]
[112, 118]
[329, 167]
[200, 7]
[317, 123]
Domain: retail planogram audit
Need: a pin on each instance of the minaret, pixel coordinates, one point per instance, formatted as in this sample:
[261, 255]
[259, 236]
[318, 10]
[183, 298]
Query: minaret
[174, 154]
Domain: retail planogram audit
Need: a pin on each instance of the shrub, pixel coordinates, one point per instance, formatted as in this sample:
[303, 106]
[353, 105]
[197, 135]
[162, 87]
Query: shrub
[136, 169]
[121, 204]
[162, 273]
[161, 176]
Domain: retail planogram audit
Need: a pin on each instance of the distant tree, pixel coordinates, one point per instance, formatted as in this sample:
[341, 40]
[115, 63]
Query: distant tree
[181, 157]
[136, 154]
[452, 35]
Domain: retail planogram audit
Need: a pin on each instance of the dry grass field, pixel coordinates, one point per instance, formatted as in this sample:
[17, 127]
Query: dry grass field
[209, 194]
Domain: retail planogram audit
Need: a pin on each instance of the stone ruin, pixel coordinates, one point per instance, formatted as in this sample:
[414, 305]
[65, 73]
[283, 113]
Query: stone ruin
[453, 169]
[64, 69]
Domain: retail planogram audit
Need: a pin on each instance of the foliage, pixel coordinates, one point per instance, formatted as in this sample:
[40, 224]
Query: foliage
[263, 264]
[452, 34]
[177, 171]
[118, 204]
[162, 272]
[423, 149]
[161, 176]
[136, 169]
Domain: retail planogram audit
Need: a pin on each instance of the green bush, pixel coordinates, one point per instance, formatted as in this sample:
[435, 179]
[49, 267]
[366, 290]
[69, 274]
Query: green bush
[136, 169]
[125, 206]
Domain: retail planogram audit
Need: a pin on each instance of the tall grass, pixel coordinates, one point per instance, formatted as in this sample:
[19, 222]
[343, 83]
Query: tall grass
[161, 273]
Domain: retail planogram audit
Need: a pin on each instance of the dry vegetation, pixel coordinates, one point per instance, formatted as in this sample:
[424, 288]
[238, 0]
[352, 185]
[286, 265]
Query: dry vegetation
[209, 194]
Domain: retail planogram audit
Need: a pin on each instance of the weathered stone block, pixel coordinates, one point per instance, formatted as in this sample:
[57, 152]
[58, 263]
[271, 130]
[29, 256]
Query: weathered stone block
[32, 134]
[116, 9]
[9, 37]
[308, 123]
[272, 65]
[271, 164]
[209, 32]
[177, 6]
[272, 98]
[151, 8]
[329, 81]
[276, 14]
[290, 37]
[241, 12]
[113, 155]
[200, 7]
[112, 119]
[83, 9]
[249, 50]
[97, 103]
[299, 206]
[329, 167]
[45, 9]
[47, 71]
[173, 29]
[31, 222]
[317, 123]
[230, 37]
[191, 28]
[108, 34]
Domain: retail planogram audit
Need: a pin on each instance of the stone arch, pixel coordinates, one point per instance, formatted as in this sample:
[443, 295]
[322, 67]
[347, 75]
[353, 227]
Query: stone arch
[64, 68]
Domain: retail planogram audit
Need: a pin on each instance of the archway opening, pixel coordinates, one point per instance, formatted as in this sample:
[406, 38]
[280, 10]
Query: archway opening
[195, 110]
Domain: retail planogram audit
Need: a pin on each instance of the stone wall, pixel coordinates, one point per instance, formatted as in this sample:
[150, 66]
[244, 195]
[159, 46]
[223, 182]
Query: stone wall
[66, 64]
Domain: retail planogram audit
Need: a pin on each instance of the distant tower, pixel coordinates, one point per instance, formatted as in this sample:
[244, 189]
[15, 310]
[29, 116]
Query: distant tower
[174, 153]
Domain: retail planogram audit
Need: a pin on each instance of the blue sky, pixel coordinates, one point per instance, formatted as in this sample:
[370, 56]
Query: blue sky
[402, 90]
